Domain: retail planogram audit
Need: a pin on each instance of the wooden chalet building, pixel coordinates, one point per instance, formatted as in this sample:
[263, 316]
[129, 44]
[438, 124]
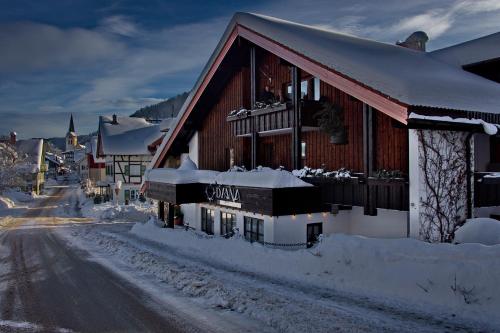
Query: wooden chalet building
[283, 95]
[127, 146]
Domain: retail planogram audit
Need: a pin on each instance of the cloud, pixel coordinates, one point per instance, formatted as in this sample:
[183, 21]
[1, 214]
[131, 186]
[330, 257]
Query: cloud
[120, 25]
[438, 21]
[160, 55]
[28, 46]
[127, 103]
[434, 23]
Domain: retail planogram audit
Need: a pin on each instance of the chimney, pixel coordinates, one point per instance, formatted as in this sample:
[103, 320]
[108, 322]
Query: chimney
[416, 41]
[13, 138]
[114, 119]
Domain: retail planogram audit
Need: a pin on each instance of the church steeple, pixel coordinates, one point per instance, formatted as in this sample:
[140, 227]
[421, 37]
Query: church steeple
[71, 125]
[71, 138]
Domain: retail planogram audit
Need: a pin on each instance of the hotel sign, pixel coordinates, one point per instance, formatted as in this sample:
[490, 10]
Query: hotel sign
[222, 192]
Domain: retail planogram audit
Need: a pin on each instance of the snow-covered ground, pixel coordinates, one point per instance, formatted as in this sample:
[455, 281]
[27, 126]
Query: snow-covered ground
[14, 203]
[346, 283]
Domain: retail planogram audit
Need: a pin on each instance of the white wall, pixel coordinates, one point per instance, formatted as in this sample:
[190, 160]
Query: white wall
[193, 148]
[414, 180]
[293, 229]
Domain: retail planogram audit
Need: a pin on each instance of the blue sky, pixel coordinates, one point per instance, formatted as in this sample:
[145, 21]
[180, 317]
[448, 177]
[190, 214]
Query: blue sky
[90, 57]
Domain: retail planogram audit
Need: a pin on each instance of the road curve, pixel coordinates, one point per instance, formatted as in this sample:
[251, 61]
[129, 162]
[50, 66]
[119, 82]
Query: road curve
[47, 286]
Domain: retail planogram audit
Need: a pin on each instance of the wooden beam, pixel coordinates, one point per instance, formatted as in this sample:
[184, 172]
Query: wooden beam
[253, 81]
[368, 160]
[253, 97]
[296, 123]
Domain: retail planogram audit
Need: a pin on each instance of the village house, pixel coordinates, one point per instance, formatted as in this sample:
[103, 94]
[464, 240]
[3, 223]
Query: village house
[127, 146]
[399, 142]
[32, 167]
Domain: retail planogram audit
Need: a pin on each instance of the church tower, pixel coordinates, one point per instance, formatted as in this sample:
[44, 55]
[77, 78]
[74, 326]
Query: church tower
[71, 137]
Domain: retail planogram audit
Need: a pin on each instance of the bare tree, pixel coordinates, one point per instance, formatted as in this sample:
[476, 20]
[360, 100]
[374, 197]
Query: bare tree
[443, 200]
[11, 167]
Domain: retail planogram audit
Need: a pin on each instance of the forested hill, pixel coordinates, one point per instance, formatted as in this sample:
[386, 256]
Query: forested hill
[163, 109]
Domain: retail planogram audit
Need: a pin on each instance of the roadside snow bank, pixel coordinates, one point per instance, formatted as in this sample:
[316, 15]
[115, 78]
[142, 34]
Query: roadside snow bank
[109, 211]
[483, 230]
[458, 279]
[17, 196]
[6, 203]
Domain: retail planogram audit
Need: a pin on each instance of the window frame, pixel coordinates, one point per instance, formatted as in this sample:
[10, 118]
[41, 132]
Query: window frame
[249, 225]
[207, 220]
[226, 217]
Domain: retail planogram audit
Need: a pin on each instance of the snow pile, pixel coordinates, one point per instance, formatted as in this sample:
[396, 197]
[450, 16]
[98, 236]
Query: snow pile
[483, 230]
[261, 177]
[264, 177]
[17, 196]
[459, 279]
[490, 129]
[492, 175]
[135, 211]
[239, 113]
[176, 176]
[342, 173]
[128, 136]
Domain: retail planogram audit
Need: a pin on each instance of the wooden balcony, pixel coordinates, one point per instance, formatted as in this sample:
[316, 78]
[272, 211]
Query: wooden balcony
[486, 190]
[272, 118]
[385, 193]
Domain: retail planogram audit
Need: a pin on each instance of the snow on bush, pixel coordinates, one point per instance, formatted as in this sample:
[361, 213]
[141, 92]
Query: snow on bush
[484, 231]
[460, 279]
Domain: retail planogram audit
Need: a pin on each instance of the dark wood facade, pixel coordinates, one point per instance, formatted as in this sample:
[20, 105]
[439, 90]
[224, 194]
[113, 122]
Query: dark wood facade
[217, 136]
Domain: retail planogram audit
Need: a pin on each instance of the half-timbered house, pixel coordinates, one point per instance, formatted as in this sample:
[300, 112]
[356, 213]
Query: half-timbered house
[127, 146]
[376, 123]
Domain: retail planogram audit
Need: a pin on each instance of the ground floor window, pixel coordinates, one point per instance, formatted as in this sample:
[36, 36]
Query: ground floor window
[254, 229]
[207, 220]
[227, 223]
[313, 232]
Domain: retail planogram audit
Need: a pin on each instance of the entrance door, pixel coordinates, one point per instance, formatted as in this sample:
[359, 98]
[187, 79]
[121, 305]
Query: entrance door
[313, 231]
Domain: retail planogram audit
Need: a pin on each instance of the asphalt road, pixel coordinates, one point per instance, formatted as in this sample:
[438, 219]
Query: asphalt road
[47, 286]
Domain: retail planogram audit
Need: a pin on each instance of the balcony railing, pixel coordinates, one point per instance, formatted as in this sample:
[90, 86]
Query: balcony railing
[273, 117]
[347, 192]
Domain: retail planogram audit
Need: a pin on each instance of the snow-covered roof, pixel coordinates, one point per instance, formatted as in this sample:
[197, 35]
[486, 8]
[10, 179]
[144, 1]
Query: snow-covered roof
[264, 178]
[166, 124]
[128, 136]
[79, 155]
[92, 149]
[54, 158]
[490, 129]
[408, 76]
[32, 150]
[470, 52]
